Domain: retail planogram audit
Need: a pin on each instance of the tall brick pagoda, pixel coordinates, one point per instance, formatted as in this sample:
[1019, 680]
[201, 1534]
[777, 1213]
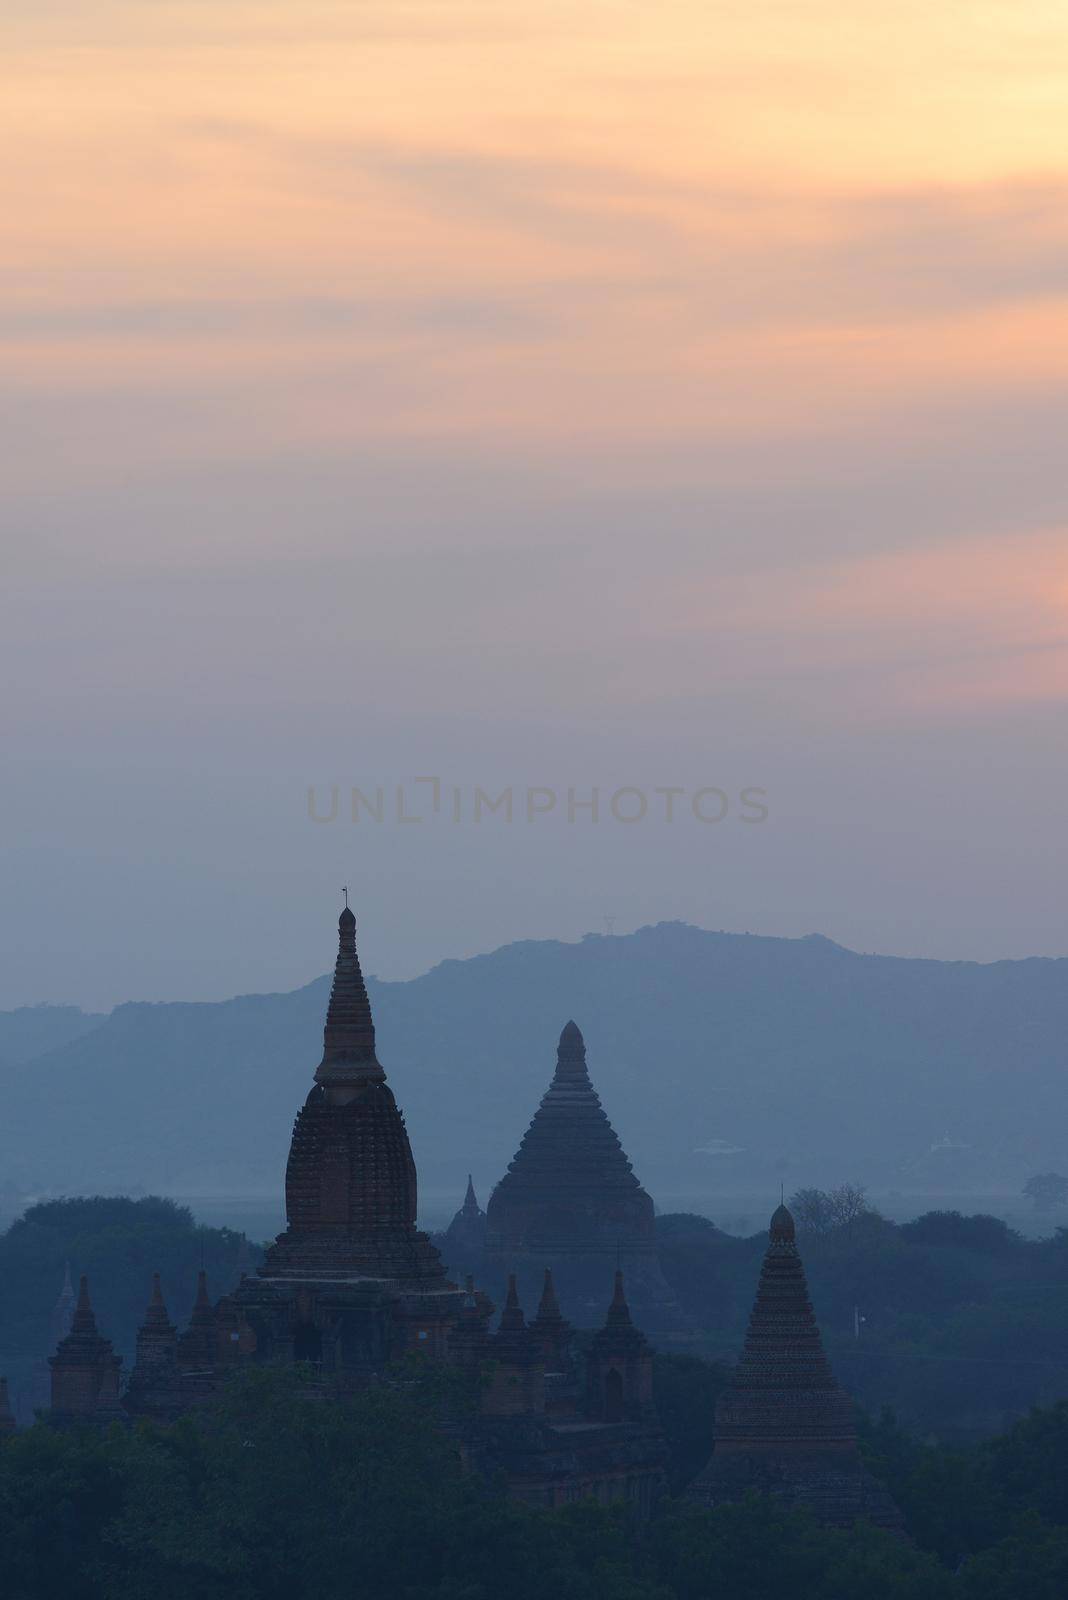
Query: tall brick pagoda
[784, 1427]
[570, 1200]
[352, 1283]
[85, 1369]
[350, 1180]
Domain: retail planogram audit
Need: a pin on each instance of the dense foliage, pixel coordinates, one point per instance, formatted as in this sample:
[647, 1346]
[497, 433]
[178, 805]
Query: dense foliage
[273, 1495]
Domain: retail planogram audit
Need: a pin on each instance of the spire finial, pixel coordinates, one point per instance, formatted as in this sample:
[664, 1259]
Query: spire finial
[345, 892]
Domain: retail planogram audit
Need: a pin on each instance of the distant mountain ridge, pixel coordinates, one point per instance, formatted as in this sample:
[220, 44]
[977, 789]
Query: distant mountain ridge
[29, 1031]
[723, 1060]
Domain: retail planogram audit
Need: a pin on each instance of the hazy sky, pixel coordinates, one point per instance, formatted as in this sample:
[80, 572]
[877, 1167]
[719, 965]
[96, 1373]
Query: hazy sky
[547, 395]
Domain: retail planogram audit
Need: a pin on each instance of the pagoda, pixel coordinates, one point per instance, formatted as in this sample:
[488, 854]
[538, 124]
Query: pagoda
[783, 1427]
[85, 1369]
[154, 1389]
[352, 1283]
[466, 1234]
[570, 1200]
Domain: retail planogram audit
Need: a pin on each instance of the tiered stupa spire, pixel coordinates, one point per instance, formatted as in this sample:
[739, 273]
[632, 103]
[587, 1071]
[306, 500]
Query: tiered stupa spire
[349, 1033]
[570, 1187]
[784, 1426]
[783, 1389]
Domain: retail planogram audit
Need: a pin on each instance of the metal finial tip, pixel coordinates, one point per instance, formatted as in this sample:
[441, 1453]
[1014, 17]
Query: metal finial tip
[345, 892]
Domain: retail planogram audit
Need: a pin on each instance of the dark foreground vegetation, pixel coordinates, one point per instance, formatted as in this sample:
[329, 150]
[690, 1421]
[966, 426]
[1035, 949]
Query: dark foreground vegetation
[277, 1496]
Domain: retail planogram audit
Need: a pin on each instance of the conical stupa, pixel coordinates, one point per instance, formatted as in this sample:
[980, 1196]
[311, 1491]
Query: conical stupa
[784, 1427]
[570, 1187]
[570, 1200]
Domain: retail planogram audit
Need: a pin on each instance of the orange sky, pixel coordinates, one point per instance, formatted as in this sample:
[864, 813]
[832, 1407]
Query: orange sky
[600, 229]
[587, 353]
[537, 219]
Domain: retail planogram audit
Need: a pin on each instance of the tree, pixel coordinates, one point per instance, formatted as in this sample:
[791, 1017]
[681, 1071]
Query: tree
[822, 1210]
[1046, 1189]
[812, 1210]
[685, 1390]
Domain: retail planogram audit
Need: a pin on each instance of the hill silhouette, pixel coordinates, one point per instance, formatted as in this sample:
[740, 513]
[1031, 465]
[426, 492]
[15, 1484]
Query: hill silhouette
[724, 1060]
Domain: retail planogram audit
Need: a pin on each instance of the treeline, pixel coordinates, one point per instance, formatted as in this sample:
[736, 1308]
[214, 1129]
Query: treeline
[272, 1495]
[955, 1322]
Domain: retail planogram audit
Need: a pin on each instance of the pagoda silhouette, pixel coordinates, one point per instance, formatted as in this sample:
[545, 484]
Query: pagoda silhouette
[571, 1200]
[352, 1286]
[783, 1427]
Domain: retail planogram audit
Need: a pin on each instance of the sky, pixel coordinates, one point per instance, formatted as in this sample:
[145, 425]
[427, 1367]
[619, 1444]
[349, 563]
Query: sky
[535, 398]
